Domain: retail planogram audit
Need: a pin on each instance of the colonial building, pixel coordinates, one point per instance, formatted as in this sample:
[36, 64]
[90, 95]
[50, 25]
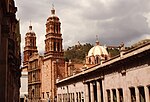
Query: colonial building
[10, 58]
[124, 78]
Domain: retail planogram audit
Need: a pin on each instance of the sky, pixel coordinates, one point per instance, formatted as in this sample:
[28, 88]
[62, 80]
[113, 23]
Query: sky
[113, 21]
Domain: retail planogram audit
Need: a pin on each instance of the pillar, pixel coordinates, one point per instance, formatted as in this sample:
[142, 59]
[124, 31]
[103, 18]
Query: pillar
[118, 96]
[98, 92]
[103, 89]
[137, 94]
[61, 46]
[66, 69]
[56, 46]
[92, 92]
[78, 96]
[86, 94]
[75, 97]
[70, 97]
[62, 97]
[111, 95]
[69, 70]
[147, 96]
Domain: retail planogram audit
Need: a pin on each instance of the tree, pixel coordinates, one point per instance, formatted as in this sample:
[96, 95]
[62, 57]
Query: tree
[77, 53]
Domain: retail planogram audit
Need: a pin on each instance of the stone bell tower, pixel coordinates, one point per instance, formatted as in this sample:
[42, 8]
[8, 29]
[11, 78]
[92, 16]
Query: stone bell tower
[53, 57]
[53, 41]
[30, 45]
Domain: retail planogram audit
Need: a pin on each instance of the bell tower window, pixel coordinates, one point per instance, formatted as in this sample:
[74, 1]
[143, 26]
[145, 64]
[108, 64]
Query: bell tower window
[54, 46]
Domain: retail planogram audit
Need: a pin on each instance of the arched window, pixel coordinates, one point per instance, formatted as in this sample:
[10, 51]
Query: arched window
[89, 60]
[32, 93]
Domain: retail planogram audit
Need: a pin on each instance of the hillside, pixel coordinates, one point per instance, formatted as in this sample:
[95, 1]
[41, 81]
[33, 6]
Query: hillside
[77, 53]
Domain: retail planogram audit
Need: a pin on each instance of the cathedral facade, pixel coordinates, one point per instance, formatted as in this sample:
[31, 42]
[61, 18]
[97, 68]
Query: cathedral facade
[43, 71]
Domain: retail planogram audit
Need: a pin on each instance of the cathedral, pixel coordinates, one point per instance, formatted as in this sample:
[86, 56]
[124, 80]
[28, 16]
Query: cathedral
[43, 71]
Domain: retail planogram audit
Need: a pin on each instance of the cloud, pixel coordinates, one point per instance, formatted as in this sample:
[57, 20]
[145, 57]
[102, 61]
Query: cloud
[114, 21]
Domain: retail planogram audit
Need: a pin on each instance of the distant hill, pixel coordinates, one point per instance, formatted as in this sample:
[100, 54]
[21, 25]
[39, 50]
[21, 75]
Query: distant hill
[77, 53]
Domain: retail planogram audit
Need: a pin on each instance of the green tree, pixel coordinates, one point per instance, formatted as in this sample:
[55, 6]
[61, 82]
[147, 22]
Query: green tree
[77, 53]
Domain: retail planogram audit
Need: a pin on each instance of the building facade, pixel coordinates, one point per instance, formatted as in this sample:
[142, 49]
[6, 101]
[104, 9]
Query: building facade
[124, 78]
[10, 58]
[34, 77]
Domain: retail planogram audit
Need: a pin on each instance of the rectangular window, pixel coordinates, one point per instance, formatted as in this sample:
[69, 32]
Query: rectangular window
[89, 92]
[77, 96]
[114, 95]
[132, 93]
[120, 95]
[108, 96]
[47, 94]
[141, 94]
[82, 96]
[73, 97]
[43, 94]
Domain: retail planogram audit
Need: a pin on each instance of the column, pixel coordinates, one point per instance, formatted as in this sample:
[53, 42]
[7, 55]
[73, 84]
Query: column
[118, 96]
[137, 94]
[70, 97]
[111, 95]
[66, 69]
[147, 94]
[60, 46]
[52, 45]
[62, 97]
[78, 96]
[56, 46]
[75, 96]
[103, 90]
[86, 94]
[98, 92]
[92, 92]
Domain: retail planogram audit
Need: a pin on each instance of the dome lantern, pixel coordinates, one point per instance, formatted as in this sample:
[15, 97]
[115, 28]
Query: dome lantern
[53, 10]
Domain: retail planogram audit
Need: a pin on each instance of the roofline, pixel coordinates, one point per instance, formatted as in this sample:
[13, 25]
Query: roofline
[126, 55]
